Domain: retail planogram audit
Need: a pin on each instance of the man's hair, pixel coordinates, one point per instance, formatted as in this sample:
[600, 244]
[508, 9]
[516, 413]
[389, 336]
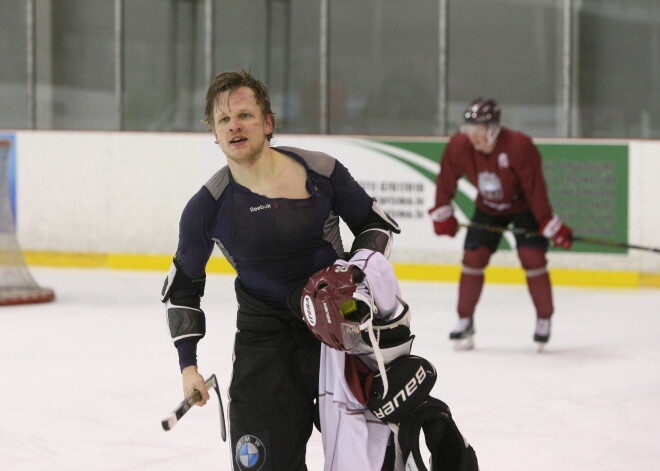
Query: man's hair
[231, 81]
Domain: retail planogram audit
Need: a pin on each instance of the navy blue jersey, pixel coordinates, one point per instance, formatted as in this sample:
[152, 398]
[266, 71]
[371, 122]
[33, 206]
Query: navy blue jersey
[272, 243]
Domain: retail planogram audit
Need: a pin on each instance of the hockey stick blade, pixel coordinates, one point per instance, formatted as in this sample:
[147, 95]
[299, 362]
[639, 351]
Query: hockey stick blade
[171, 420]
[576, 238]
[223, 427]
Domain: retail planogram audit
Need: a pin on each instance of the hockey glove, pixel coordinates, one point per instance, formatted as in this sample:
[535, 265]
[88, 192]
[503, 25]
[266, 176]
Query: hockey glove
[449, 449]
[444, 222]
[560, 234]
[408, 405]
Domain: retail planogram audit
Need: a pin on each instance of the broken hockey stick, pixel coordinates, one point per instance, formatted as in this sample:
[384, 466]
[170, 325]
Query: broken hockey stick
[194, 397]
[586, 240]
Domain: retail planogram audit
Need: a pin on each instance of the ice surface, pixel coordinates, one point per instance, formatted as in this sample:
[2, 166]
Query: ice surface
[87, 379]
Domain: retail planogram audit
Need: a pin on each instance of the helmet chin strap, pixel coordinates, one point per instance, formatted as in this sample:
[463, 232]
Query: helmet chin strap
[368, 325]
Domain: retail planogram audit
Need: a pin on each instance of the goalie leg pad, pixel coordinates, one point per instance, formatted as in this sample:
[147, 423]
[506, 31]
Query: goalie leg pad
[449, 450]
[410, 379]
[185, 322]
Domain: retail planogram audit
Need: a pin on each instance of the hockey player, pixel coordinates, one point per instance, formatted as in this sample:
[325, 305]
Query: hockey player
[369, 383]
[505, 167]
[274, 212]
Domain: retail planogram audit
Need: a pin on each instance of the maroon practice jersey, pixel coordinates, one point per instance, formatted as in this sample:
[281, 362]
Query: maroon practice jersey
[509, 180]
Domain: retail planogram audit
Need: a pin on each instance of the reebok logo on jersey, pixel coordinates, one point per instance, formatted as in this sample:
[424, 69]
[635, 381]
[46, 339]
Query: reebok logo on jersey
[259, 208]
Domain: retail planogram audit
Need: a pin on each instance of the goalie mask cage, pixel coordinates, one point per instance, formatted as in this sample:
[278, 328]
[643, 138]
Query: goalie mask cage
[16, 283]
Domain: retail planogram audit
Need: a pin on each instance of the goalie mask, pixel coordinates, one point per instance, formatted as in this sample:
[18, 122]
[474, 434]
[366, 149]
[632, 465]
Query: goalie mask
[331, 310]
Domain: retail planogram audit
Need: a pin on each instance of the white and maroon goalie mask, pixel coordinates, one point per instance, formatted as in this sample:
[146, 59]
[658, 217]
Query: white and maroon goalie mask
[330, 310]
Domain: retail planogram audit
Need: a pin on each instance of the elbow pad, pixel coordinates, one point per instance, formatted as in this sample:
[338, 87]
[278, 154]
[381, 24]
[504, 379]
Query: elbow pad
[185, 322]
[376, 234]
[374, 239]
[177, 281]
[181, 296]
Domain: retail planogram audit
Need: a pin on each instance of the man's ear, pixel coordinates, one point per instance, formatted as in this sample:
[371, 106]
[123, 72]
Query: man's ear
[270, 123]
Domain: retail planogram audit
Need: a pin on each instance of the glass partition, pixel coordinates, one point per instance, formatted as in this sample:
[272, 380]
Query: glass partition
[14, 101]
[163, 52]
[510, 51]
[619, 69]
[75, 67]
[576, 68]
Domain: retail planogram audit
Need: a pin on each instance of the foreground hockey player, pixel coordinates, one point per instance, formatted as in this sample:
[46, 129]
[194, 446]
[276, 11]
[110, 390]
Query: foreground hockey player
[370, 384]
[274, 212]
[505, 167]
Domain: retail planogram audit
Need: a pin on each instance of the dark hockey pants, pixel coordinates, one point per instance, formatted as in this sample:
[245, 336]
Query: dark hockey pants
[272, 393]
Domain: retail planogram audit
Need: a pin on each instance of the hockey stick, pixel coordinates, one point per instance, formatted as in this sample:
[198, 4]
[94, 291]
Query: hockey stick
[194, 397]
[586, 240]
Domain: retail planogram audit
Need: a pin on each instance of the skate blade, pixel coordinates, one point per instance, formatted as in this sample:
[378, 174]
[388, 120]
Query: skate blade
[540, 346]
[466, 343]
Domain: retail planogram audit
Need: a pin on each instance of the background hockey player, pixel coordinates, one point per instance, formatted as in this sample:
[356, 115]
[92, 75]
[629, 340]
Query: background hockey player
[274, 213]
[505, 167]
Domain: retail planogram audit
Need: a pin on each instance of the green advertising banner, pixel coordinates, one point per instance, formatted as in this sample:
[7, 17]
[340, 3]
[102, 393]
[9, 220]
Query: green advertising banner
[588, 187]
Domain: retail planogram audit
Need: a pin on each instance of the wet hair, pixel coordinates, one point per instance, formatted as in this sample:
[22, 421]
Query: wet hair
[231, 81]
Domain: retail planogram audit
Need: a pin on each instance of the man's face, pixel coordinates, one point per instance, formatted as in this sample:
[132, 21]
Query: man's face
[482, 137]
[240, 128]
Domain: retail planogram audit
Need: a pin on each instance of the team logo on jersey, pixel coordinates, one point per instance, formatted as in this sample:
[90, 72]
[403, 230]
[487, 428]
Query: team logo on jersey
[309, 311]
[490, 186]
[250, 453]
[503, 160]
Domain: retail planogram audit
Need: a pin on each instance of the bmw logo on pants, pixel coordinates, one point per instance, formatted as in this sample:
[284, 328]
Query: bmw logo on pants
[250, 453]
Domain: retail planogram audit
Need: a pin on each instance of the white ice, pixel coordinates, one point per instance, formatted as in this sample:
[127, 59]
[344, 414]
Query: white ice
[87, 379]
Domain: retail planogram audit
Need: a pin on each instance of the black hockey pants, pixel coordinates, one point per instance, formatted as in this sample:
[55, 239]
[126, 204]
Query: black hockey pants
[273, 388]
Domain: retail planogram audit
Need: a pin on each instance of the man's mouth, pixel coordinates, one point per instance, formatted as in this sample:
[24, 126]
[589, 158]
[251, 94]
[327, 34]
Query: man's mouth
[238, 140]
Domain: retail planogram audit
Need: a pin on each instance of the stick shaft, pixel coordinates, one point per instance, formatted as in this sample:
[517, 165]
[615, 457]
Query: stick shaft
[590, 240]
[185, 405]
[576, 238]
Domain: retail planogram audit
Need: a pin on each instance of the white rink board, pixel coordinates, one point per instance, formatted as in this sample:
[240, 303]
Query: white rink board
[123, 192]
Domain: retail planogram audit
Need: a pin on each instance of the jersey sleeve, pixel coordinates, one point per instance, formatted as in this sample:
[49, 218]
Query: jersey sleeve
[350, 201]
[530, 172]
[195, 244]
[450, 171]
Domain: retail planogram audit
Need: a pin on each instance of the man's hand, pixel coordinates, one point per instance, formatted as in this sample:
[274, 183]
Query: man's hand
[560, 234]
[193, 380]
[444, 222]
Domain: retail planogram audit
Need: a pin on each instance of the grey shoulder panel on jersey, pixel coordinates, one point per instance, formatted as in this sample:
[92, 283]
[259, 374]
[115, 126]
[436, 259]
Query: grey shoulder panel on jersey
[319, 162]
[218, 182]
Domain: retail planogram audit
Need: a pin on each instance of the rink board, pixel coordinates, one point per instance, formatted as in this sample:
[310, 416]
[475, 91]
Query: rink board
[114, 199]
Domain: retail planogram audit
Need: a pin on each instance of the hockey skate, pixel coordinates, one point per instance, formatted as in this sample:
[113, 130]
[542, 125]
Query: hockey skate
[542, 333]
[463, 334]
